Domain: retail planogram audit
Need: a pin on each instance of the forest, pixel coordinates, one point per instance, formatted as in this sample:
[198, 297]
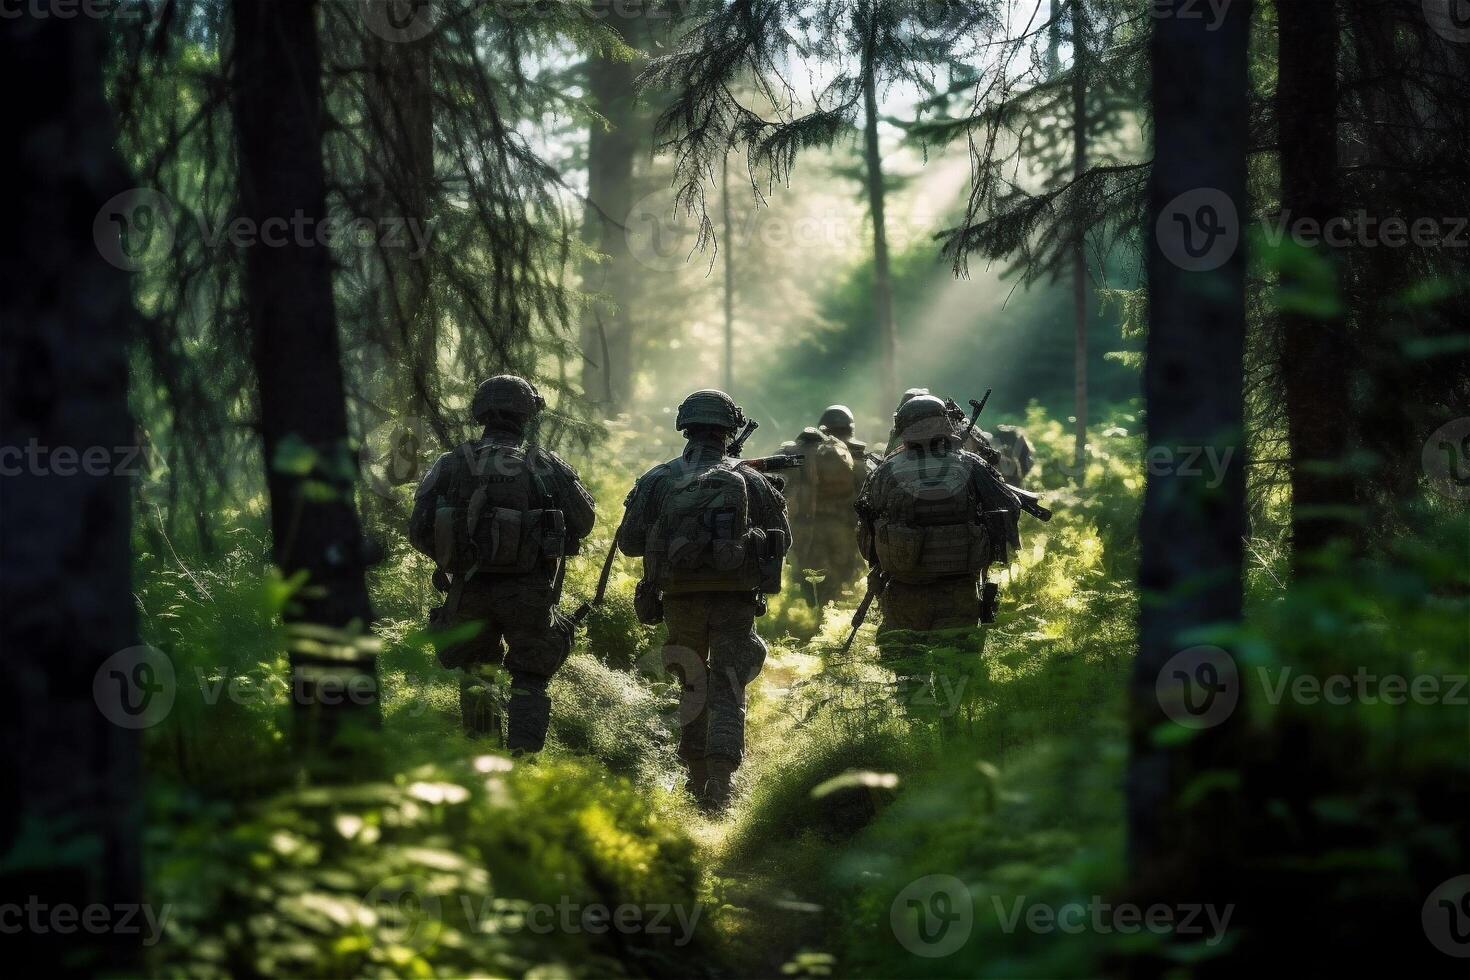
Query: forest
[1183, 287]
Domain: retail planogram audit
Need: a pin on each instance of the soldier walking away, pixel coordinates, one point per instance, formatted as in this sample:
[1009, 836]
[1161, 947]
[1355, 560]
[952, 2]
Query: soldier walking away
[500, 518]
[933, 519]
[819, 499]
[1013, 456]
[712, 535]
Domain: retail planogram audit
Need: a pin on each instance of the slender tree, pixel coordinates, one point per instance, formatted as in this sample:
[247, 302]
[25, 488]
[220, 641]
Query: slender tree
[882, 277]
[1080, 42]
[1191, 532]
[71, 834]
[727, 224]
[303, 420]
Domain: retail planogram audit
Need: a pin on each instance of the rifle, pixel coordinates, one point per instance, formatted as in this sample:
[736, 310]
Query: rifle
[877, 585]
[581, 613]
[1030, 503]
[975, 417]
[773, 464]
[739, 444]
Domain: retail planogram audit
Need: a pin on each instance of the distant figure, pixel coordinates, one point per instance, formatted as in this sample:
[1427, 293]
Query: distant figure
[820, 499]
[1014, 458]
[712, 535]
[500, 518]
[837, 421]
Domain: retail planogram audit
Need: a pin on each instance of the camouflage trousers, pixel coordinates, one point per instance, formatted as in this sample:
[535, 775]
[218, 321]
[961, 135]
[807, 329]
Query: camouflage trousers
[930, 639]
[827, 542]
[517, 634]
[715, 651]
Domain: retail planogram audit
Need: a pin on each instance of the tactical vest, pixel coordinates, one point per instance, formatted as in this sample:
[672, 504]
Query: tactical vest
[701, 540]
[927, 526]
[498, 517]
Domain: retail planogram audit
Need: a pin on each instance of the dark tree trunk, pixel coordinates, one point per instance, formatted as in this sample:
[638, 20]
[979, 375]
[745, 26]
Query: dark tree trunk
[882, 279]
[1079, 248]
[310, 467]
[1314, 347]
[1190, 534]
[75, 696]
[607, 332]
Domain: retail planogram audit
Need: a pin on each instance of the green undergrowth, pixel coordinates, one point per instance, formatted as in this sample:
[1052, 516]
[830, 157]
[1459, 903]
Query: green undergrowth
[866, 816]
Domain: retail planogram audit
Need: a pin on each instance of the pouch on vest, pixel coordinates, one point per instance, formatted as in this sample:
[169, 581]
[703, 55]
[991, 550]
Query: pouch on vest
[453, 551]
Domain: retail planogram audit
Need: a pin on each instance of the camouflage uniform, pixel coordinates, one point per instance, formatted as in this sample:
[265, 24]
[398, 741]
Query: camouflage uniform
[712, 642]
[930, 471]
[519, 629]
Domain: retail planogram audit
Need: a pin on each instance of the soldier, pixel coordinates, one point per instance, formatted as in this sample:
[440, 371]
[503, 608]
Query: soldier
[820, 497]
[932, 519]
[1016, 457]
[712, 535]
[500, 518]
[837, 421]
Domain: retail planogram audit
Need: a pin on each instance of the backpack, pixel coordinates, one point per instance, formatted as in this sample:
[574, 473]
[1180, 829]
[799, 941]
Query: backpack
[701, 539]
[927, 525]
[499, 518]
[826, 482]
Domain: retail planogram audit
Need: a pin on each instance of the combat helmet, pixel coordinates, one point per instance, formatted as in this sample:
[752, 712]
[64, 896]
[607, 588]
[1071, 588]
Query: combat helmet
[910, 395]
[922, 418]
[836, 417]
[508, 395]
[709, 406]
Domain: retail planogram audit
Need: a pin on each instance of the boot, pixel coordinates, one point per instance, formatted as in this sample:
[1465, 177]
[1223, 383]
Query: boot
[718, 785]
[698, 772]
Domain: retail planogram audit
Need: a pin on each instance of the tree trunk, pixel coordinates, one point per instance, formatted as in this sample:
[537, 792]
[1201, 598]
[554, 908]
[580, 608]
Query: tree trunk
[310, 472]
[607, 333]
[1314, 351]
[882, 281]
[1079, 249]
[1191, 531]
[402, 106]
[78, 687]
[729, 245]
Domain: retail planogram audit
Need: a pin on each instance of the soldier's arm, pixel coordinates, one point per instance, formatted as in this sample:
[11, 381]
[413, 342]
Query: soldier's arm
[425, 502]
[769, 505]
[866, 509]
[576, 503]
[633, 534]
